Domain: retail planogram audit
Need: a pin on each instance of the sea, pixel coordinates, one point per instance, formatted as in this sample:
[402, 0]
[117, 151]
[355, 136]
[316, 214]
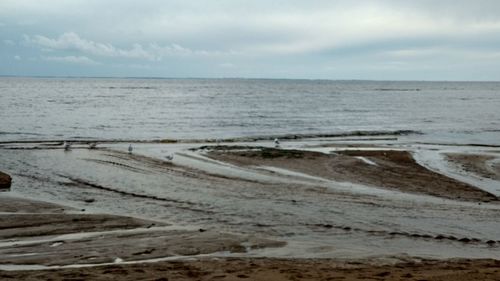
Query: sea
[152, 109]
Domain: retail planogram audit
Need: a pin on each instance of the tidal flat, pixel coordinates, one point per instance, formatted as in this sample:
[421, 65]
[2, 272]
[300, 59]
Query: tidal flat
[236, 209]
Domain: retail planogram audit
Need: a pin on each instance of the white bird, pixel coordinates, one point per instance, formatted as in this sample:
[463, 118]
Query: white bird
[92, 145]
[130, 148]
[66, 145]
[276, 142]
[169, 157]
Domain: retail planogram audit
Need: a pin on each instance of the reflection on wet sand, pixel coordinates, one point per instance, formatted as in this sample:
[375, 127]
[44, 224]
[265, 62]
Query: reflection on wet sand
[486, 166]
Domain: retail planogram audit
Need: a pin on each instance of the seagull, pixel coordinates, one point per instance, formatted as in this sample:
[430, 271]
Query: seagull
[92, 145]
[170, 157]
[130, 148]
[276, 143]
[67, 145]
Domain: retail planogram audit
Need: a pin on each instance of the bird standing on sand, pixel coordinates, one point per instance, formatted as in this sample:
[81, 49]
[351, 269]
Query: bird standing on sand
[92, 145]
[130, 148]
[67, 145]
[276, 143]
[169, 157]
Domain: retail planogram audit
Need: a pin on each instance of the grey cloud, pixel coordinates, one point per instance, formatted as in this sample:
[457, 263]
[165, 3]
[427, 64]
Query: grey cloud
[71, 41]
[256, 27]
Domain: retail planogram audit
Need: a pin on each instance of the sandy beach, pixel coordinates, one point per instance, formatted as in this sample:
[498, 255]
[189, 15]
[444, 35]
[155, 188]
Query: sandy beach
[308, 210]
[273, 269]
[40, 219]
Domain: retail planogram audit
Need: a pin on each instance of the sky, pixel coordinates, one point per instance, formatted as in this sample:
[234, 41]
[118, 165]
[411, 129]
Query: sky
[372, 40]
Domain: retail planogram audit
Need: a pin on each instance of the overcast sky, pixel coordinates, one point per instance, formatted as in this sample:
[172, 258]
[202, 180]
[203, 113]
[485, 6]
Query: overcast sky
[382, 40]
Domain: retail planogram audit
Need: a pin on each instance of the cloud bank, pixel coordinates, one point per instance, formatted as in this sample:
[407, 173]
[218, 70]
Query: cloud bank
[431, 40]
[71, 41]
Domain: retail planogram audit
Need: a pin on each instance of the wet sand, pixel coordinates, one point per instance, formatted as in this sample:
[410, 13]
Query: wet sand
[19, 221]
[274, 270]
[40, 233]
[383, 168]
[229, 217]
[476, 164]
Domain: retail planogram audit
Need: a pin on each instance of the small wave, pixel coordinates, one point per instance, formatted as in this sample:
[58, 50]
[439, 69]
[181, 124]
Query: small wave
[133, 88]
[306, 136]
[475, 131]
[19, 133]
[333, 135]
[83, 139]
[355, 110]
[110, 96]
[102, 127]
[397, 90]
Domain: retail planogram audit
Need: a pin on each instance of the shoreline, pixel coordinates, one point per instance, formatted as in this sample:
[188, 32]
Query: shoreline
[355, 133]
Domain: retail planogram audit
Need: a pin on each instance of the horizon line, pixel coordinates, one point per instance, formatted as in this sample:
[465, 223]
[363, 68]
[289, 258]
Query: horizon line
[227, 78]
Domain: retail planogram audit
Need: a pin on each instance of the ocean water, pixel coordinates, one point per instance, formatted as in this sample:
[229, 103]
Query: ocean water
[145, 109]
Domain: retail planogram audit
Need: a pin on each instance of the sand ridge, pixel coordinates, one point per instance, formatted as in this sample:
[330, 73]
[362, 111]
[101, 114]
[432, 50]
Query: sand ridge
[34, 232]
[382, 168]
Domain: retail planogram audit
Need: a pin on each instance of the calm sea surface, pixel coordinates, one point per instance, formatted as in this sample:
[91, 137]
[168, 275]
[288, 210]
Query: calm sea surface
[41, 109]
